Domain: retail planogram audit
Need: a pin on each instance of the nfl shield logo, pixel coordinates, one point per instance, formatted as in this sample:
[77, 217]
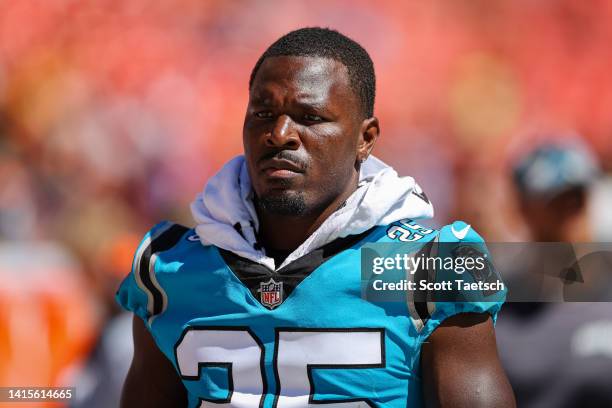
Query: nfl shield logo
[271, 293]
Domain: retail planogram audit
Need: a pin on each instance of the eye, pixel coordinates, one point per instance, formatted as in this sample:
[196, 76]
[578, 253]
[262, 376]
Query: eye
[263, 114]
[313, 118]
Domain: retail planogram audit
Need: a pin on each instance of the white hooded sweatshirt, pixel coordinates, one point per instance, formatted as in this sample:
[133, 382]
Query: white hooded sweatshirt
[225, 214]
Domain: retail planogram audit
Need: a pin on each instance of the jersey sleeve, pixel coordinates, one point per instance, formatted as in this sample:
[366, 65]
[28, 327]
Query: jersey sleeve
[140, 292]
[466, 263]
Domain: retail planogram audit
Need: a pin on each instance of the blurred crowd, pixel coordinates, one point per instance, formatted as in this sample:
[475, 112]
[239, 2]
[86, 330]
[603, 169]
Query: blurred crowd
[114, 113]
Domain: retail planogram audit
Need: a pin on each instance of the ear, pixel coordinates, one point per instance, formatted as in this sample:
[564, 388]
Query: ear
[368, 134]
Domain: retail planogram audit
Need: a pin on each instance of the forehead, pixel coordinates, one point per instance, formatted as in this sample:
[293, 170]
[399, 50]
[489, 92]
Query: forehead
[308, 79]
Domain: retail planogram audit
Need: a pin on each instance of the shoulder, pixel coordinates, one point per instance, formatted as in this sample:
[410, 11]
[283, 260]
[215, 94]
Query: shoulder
[163, 237]
[450, 257]
[140, 291]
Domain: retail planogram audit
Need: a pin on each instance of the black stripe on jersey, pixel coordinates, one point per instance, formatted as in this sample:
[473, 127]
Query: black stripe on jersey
[163, 242]
[251, 274]
[420, 296]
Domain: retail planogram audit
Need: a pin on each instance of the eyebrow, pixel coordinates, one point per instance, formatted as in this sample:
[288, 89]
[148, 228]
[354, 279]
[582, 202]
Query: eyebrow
[315, 104]
[302, 101]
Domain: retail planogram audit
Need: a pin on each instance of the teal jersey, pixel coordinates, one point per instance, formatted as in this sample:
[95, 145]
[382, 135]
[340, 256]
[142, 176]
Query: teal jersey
[242, 335]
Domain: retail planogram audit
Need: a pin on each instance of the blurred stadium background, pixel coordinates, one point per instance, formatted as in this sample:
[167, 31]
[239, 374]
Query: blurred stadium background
[113, 114]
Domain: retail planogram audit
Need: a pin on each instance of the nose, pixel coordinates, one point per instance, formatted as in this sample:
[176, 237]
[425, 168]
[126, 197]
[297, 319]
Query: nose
[283, 134]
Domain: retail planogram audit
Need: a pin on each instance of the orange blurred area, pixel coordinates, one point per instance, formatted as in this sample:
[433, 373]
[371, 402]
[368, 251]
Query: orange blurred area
[48, 319]
[113, 114]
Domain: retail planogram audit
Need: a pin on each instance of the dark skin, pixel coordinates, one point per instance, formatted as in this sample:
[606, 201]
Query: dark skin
[460, 365]
[304, 111]
[553, 219]
[152, 380]
[304, 139]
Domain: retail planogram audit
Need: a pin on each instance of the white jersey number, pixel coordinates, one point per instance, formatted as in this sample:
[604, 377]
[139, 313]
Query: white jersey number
[296, 353]
[407, 231]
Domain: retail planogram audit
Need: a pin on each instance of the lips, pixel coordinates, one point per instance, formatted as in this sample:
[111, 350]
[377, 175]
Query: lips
[279, 173]
[280, 168]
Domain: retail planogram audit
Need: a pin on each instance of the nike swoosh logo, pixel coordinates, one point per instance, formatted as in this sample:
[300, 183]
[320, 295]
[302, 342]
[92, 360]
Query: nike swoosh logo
[461, 233]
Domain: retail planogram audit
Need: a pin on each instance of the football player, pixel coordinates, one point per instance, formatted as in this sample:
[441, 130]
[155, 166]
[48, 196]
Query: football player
[563, 360]
[260, 305]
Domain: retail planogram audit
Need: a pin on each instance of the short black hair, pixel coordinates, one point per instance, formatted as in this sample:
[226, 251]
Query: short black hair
[327, 43]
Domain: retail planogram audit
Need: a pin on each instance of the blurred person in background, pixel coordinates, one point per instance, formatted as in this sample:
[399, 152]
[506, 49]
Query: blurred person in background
[557, 354]
[552, 189]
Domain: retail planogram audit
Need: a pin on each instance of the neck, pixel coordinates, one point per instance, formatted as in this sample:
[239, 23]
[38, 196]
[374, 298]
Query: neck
[287, 232]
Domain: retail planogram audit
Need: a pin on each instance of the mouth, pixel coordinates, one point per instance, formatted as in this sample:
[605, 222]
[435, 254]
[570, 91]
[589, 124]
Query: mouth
[277, 168]
[280, 173]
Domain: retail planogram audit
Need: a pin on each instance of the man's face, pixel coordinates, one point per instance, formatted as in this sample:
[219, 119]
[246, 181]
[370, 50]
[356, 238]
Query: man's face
[557, 218]
[301, 134]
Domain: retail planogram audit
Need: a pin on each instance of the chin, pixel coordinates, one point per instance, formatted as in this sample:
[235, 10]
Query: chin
[286, 202]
